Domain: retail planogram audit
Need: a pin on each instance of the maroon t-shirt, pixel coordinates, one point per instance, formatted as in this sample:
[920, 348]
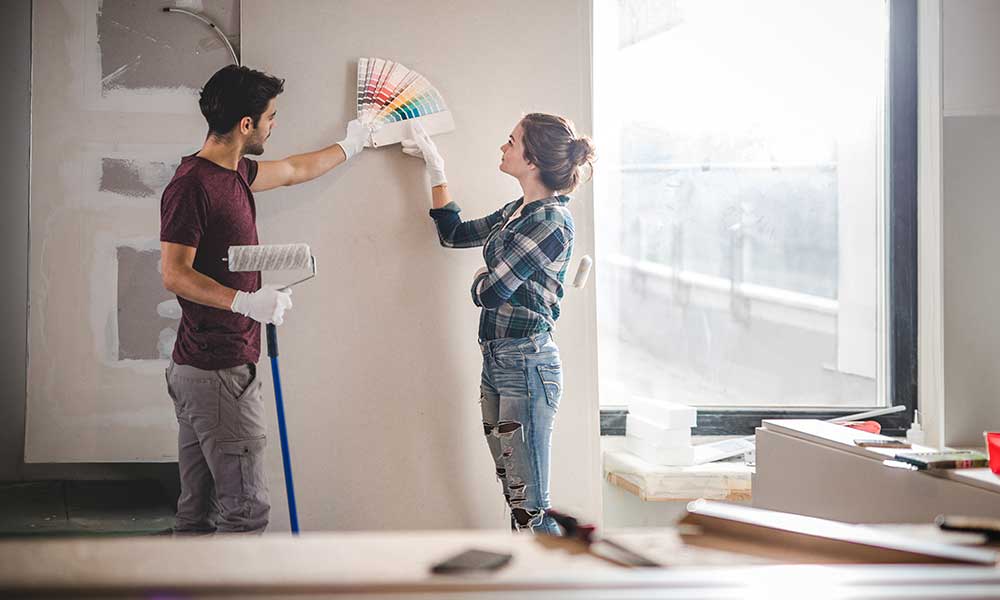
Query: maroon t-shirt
[211, 208]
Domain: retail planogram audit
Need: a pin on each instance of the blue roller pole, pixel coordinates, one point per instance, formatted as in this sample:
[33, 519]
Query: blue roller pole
[286, 459]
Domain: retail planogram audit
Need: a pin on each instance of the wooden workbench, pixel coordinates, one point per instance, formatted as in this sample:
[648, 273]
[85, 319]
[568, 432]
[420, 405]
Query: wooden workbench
[379, 565]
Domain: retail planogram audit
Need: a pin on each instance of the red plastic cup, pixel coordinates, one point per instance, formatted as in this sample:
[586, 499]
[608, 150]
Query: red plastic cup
[993, 449]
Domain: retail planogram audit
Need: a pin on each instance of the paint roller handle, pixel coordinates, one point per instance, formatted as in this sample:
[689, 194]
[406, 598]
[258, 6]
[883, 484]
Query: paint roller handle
[583, 271]
[272, 340]
[266, 305]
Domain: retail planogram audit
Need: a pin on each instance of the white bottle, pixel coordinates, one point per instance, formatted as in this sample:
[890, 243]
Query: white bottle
[915, 435]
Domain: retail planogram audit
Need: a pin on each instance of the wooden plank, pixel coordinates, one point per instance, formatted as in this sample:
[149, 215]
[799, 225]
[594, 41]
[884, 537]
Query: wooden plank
[821, 540]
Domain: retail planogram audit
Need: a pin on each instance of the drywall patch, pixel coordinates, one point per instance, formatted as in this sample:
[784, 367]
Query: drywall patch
[144, 333]
[143, 48]
[135, 178]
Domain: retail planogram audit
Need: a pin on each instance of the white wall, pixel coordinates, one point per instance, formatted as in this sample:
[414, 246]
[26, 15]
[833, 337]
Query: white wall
[971, 48]
[380, 363]
[971, 281]
[971, 213]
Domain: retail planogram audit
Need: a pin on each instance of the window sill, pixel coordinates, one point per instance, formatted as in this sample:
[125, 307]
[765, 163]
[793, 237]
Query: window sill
[740, 421]
[723, 480]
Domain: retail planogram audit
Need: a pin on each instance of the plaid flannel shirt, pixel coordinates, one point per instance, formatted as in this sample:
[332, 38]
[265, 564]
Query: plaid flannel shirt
[526, 262]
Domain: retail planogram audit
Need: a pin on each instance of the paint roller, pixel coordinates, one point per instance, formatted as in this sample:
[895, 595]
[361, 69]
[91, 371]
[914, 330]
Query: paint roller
[277, 257]
[272, 257]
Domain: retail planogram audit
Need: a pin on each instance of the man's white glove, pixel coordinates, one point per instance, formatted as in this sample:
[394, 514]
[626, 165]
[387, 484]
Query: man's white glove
[423, 147]
[266, 305]
[357, 136]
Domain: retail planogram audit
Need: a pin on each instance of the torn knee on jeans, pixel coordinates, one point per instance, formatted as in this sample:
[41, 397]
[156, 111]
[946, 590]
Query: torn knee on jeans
[516, 492]
[507, 428]
[501, 429]
[527, 518]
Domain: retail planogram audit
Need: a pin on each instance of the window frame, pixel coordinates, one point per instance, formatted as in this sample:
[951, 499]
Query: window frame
[901, 254]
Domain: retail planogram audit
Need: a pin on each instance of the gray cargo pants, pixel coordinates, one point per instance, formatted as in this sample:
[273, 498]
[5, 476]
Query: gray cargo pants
[220, 447]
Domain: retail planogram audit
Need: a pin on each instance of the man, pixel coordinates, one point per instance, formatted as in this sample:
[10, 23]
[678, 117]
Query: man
[212, 377]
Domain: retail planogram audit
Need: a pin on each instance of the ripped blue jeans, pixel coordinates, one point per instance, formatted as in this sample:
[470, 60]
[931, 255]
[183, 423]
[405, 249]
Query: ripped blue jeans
[521, 388]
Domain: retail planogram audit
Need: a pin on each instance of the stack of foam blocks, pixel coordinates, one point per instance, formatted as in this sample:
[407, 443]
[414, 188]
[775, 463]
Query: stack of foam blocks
[659, 432]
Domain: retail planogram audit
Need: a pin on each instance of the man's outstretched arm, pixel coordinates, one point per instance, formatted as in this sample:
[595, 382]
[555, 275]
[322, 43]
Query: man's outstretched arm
[300, 168]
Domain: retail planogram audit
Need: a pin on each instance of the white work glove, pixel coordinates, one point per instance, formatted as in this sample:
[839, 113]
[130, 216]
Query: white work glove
[357, 136]
[421, 146]
[266, 305]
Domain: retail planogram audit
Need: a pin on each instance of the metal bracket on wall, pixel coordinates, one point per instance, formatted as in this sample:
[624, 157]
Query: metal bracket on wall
[225, 40]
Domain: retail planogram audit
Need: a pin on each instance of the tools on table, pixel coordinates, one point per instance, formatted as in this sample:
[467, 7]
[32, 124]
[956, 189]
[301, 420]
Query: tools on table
[603, 547]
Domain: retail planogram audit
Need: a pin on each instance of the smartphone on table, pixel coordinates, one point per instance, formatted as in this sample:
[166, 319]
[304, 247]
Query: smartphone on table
[472, 560]
[881, 443]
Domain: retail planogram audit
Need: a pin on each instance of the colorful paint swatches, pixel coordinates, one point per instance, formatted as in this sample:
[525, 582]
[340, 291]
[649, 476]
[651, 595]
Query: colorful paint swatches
[389, 94]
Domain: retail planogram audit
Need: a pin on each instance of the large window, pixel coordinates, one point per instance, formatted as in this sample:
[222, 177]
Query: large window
[744, 204]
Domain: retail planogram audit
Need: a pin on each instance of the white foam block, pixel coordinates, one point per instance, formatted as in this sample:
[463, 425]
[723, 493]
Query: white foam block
[679, 456]
[641, 427]
[393, 133]
[667, 415]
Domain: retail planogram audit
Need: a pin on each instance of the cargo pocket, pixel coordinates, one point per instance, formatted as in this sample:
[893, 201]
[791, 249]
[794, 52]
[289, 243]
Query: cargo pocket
[240, 477]
[551, 376]
[244, 463]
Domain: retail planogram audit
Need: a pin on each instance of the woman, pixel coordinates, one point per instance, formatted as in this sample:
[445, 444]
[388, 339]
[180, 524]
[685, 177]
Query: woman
[527, 247]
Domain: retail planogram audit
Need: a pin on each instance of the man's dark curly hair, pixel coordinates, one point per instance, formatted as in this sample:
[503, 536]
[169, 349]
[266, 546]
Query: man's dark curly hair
[235, 92]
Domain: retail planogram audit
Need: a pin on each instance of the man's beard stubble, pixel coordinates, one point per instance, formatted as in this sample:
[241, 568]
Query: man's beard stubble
[255, 147]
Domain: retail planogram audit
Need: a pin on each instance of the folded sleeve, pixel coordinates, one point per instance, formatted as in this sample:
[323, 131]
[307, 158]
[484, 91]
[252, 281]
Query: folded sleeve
[453, 232]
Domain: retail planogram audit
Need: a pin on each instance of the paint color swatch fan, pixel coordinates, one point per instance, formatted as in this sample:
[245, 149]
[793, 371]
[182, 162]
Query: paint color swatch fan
[390, 94]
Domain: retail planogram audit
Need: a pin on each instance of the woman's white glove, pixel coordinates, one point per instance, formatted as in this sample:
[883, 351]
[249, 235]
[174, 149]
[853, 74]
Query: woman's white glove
[421, 146]
[266, 305]
[357, 136]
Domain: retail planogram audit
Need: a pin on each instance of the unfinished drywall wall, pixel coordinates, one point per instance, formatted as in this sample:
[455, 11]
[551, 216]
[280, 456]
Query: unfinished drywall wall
[143, 49]
[102, 151]
[139, 179]
[148, 314]
[380, 362]
[136, 58]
